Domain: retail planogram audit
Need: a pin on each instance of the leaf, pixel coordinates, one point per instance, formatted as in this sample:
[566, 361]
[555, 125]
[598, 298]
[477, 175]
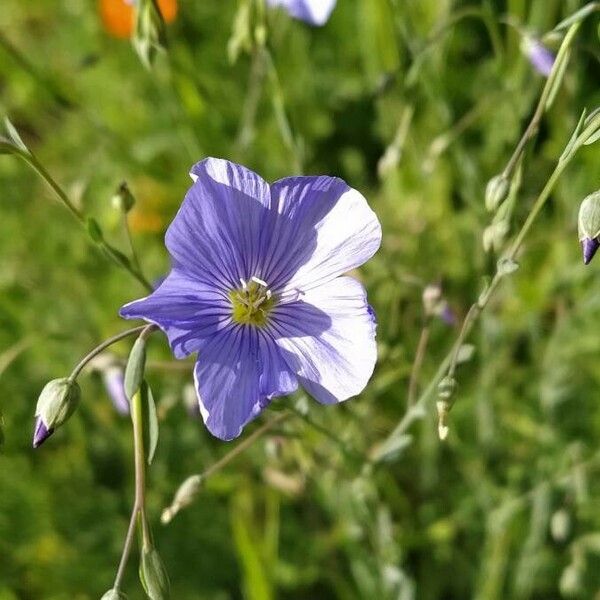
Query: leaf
[577, 16]
[150, 421]
[134, 371]
[94, 230]
[14, 136]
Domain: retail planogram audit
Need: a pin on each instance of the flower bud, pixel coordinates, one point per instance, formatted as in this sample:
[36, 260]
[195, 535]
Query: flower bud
[496, 192]
[435, 305]
[184, 496]
[589, 226]
[150, 35]
[114, 595]
[153, 575]
[56, 404]
[123, 199]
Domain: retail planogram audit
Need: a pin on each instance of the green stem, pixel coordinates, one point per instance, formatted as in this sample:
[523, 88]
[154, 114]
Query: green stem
[103, 346]
[281, 116]
[34, 163]
[139, 504]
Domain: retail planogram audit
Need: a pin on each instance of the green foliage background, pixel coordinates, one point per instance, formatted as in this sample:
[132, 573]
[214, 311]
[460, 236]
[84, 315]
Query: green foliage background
[507, 507]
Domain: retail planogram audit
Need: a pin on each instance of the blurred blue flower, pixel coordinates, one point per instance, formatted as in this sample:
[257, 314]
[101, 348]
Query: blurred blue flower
[313, 12]
[113, 378]
[539, 56]
[257, 288]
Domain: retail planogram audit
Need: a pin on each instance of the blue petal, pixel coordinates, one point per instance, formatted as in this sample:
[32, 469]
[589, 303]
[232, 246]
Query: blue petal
[325, 228]
[329, 339]
[186, 309]
[313, 12]
[238, 372]
[216, 235]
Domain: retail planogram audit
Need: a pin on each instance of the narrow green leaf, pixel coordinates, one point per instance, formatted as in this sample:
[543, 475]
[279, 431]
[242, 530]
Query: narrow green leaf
[94, 230]
[150, 421]
[134, 371]
[13, 134]
[577, 16]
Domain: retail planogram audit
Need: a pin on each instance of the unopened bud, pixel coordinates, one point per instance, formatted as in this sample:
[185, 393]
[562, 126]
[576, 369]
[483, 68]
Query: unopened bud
[153, 575]
[588, 224]
[184, 496]
[446, 387]
[123, 199]
[57, 402]
[114, 595]
[496, 192]
[150, 35]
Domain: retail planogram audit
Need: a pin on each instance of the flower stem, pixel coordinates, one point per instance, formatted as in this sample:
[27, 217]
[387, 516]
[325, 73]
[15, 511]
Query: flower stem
[418, 362]
[139, 504]
[170, 511]
[448, 365]
[35, 164]
[103, 346]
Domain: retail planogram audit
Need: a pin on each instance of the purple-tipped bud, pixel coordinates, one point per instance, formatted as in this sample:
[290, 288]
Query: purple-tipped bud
[589, 248]
[41, 433]
[57, 402]
[539, 56]
[588, 225]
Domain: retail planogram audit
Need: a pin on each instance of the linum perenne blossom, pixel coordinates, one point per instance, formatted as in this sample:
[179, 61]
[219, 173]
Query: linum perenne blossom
[539, 56]
[257, 289]
[313, 12]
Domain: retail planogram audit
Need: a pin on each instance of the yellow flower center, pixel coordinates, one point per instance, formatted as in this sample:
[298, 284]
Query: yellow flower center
[252, 302]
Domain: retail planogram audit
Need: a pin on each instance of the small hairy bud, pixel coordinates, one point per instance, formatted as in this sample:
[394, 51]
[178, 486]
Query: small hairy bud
[123, 199]
[184, 496]
[496, 192]
[588, 224]
[57, 402]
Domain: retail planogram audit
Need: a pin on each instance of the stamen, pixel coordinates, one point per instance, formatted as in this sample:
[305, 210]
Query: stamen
[259, 281]
[244, 284]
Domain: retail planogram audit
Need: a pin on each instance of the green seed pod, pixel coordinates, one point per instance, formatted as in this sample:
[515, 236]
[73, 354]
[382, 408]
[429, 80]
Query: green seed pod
[496, 192]
[57, 402]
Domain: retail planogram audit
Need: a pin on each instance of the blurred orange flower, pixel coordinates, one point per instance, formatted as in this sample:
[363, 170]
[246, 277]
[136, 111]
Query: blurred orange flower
[118, 15]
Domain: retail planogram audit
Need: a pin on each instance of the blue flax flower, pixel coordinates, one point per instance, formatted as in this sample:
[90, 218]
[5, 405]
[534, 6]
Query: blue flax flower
[539, 56]
[313, 12]
[257, 289]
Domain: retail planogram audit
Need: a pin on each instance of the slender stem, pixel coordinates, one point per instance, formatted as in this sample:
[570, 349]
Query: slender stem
[139, 503]
[243, 445]
[140, 464]
[126, 549]
[349, 453]
[176, 505]
[281, 116]
[60, 193]
[418, 362]
[34, 163]
[540, 109]
[134, 255]
[103, 346]
[448, 365]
